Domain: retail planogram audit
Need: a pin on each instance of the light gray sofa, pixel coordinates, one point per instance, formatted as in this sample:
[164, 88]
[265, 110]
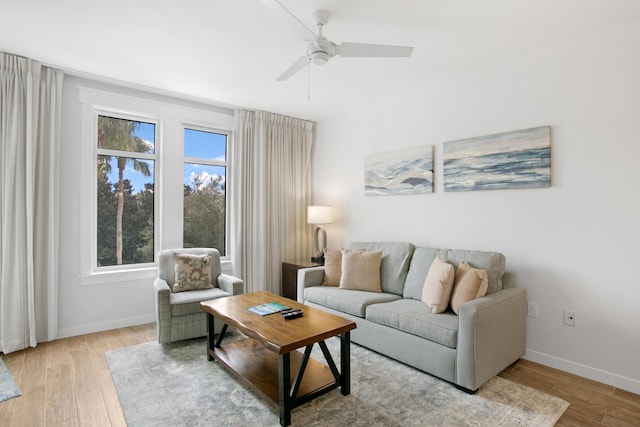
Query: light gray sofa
[467, 349]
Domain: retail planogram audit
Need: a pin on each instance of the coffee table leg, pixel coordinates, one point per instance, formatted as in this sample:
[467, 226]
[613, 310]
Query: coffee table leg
[284, 388]
[210, 336]
[345, 363]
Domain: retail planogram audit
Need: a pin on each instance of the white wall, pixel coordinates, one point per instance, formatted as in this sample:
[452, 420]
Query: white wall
[89, 303]
[573, 245]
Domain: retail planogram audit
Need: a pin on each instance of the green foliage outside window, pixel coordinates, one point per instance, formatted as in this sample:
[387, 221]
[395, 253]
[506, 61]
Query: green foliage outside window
[204, 214]
[137, 224]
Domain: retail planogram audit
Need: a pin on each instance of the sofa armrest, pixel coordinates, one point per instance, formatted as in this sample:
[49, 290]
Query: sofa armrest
[162, 294]
[233, 285]
[491, 336]
[312, 276]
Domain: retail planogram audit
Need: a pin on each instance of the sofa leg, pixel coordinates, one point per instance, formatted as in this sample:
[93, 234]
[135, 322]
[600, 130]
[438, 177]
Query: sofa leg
[466, 390]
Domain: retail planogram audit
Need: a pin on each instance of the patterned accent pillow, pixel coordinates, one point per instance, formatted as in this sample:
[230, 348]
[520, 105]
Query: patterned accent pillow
[192, 272]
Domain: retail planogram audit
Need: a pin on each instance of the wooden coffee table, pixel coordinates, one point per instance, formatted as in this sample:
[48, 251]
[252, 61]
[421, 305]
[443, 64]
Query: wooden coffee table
[268, 361]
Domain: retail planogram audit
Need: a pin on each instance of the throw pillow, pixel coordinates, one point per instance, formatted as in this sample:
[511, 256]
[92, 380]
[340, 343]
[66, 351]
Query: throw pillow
[470, 283]
[361, 270]
[332, 267]
[438, 285]
[192, 272]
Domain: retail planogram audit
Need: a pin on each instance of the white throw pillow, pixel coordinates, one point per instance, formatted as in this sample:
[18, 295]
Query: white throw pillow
[438, 285]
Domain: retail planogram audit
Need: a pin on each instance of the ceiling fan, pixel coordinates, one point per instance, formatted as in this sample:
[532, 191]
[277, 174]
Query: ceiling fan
[320, 49]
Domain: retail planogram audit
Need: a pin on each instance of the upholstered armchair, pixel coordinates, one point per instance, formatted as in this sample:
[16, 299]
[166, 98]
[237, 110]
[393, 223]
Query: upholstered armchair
[178, 314]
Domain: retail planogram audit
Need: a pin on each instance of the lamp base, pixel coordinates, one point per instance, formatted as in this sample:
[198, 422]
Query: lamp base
[318, 260]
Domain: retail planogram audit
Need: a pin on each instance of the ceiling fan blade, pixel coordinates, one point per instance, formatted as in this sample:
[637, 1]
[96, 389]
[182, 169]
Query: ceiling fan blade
[289, 19]
[363, 50]
[300, 63]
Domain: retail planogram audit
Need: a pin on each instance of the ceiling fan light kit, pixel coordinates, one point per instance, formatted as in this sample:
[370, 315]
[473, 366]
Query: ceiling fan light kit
[319, 57]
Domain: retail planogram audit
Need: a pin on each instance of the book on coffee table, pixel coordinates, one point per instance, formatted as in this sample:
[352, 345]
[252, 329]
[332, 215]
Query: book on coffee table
[268, 308]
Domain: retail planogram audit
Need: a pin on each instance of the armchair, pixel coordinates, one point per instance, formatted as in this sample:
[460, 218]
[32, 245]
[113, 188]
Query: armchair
[178, 314]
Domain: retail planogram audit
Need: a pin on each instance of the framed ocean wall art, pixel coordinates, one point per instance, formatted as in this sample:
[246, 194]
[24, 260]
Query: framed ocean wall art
[517, 159]
[404, 171]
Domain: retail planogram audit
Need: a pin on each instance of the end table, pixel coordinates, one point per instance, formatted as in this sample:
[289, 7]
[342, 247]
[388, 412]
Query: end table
[290, 277]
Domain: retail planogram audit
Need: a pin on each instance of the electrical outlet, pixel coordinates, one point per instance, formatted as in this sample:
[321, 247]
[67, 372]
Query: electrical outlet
[569, 317]
[532, 309]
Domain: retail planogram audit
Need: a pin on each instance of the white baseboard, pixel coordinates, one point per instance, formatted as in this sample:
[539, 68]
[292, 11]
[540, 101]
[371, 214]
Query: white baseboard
[105, 326]
[614, 380]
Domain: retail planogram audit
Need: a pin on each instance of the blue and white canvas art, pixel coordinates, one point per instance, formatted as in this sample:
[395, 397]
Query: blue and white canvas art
[517, 159]
[404, 171]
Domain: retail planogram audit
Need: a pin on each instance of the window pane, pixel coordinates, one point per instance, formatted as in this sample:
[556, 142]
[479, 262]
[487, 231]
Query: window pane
[126, 135]
[125, 211]
[205, 145]
[204, 206]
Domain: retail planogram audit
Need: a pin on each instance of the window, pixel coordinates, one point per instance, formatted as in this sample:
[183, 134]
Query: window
[149, 181]
[205, 195]
[125, 191]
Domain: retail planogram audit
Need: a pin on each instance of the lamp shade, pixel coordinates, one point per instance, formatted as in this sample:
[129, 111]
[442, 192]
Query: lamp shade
[319, 215]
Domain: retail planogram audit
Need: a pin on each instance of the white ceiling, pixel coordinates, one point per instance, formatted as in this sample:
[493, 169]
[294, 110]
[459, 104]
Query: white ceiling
[231, 51]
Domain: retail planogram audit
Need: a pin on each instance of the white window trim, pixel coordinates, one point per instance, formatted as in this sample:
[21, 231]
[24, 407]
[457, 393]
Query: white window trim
[222, 163]
[141, 109]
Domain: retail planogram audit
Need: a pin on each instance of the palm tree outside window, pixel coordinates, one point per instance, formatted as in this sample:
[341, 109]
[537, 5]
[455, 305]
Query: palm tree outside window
[125, 191]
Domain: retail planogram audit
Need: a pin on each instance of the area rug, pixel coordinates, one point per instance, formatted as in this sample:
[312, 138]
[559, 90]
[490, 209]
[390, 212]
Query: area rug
[8, 387]
[175, 385]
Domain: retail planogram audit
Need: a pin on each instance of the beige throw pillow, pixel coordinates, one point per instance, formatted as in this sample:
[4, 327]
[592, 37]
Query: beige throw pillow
[192, 272]
[470, 283]
[438, 285]
[361, 270]
[332, 267]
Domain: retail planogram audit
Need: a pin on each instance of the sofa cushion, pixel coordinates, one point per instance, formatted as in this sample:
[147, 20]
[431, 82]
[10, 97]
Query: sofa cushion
[417, 274]
[345, 300]
[438, 285]
[470, 283]
[182, 303]
[394, 265]
[492, 262]
[361, 270]
[414, 317]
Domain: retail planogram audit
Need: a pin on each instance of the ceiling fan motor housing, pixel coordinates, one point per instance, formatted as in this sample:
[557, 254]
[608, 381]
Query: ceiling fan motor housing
[320, 50]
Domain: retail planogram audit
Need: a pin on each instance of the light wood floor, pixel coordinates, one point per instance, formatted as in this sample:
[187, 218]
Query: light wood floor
[67, 383]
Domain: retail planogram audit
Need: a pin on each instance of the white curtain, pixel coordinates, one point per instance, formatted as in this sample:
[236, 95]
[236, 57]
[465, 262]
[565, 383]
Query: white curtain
[271, 189]
[30, 105]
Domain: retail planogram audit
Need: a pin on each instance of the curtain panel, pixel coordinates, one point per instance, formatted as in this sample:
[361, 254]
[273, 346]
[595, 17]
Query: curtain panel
[271, 189]
[30, 117]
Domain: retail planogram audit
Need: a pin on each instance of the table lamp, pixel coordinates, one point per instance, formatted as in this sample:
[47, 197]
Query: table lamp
[318, 215]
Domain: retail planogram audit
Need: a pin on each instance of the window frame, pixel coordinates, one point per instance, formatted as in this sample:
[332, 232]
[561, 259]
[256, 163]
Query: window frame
[226, 164]
[118, 114]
